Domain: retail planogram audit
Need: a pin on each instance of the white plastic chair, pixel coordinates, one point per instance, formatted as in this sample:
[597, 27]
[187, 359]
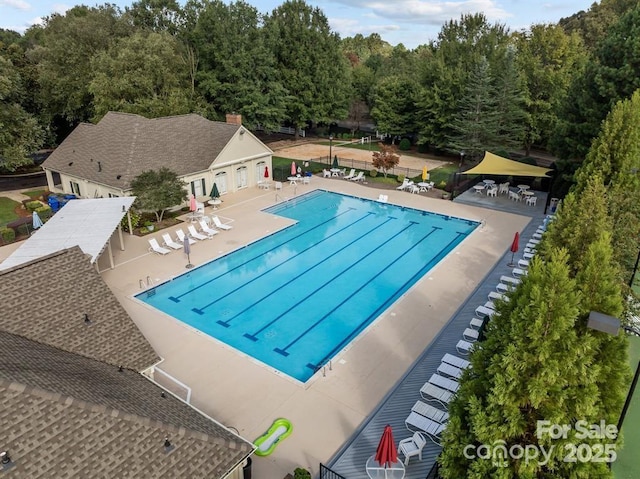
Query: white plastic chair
[278, 185]
[492, 191]
[531, 200]
[206, 229]
[412, 446]
[156, 248]
[196, 235]
[219, 224]
[183, 237]
[326, 173]
[504, 188]
[169, 242]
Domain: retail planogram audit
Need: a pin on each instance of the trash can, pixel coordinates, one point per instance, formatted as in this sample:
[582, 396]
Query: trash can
[553, 204]
[246, 469]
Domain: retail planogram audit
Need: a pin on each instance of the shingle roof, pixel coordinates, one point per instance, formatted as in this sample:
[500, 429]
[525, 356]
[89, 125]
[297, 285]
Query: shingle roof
[127, 144]
[66, 416]
[45, 300]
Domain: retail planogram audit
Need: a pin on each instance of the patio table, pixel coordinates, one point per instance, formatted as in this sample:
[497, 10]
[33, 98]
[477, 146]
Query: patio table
[214, 203]
[424, 186]
[489, 182]
[335, 171]
[292, 180]
[375, 471]
[478, 189]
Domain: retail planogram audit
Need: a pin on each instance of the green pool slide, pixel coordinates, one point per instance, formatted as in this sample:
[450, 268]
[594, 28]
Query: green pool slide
[279, 430]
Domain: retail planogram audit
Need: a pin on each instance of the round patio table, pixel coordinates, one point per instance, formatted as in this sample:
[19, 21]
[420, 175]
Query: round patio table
[293, 180]
[424, 186]
[478, 189]
[376, 471]
[214, 203]
[489, 182]
[523, 188]
[335, 171]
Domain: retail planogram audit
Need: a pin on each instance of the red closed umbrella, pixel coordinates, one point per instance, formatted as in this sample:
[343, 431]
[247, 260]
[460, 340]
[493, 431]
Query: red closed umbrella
[192, 204]
[514, 247]
[386, 452]
[294, 170]
[266, 172]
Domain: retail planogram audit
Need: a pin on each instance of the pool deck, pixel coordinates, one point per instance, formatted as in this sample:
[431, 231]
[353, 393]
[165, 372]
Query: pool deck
[332, 412]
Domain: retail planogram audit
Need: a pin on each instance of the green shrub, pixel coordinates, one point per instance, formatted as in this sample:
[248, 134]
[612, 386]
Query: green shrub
[405, 144]
[373, 173]
[442, 185]
[424, 148]
[7, 234]
[33, 205]
[44, 211]
[301, 473]
[401, 178]
[135, 220]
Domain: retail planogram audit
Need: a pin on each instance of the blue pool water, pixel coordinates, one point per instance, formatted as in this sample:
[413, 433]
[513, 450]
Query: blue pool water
[294, 299]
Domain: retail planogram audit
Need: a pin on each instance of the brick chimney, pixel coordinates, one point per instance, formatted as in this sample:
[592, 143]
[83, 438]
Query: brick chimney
[234, 119]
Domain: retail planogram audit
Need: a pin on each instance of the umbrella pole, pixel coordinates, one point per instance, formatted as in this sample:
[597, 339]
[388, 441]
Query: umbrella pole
[189, 265]
[511, 263]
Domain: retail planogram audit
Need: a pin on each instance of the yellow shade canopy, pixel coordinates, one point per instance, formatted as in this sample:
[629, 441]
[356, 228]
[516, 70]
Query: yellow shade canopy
[425, 173]
[496, 165]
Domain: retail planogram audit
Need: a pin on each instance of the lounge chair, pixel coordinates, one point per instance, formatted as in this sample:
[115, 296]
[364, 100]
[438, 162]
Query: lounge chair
[455, 361]
[206, 229]
[183, 237]
[445, 383]
[449, 370]
[415, 423]
[219, 224]
[509, 280]
[351, 174]
[534, 241]
[156, 248]
[464, 347]
[484, 311]
[431, 392]
[493, 295]
[536, 236]
[504, 288]
[430, 412]
[359, 177]
[476, 323]
[518, 273]
[404, 184]
[523, 263]
[169, 242]
[490, 304]
[412, 446]
[528, 255]
[470, 335]
[194, 234]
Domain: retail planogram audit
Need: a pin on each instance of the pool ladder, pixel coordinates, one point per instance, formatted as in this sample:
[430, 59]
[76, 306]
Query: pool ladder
[324, 369]
[141, 282]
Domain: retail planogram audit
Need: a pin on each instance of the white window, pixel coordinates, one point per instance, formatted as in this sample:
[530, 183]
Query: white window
[221, 181]
[260, 171]
[75, 188]
[198, 187]
[241, 177]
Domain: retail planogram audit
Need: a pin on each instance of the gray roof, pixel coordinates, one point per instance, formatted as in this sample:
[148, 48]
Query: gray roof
[125, 145]
[45, 300]
[64, 415]
[67, 409]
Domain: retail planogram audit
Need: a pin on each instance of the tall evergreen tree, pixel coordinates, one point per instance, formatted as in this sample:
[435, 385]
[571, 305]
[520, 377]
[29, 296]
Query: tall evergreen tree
[311, 67]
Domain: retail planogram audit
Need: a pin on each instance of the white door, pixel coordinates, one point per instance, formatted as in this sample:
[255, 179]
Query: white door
[241, 177]
[197, 188]
[221, 181]
[260, 171]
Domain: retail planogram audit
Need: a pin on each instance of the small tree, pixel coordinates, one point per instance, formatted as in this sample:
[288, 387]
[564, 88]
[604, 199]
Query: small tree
[386, 158]
[158, 190]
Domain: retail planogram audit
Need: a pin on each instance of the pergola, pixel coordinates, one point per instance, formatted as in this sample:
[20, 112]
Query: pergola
[88, 224]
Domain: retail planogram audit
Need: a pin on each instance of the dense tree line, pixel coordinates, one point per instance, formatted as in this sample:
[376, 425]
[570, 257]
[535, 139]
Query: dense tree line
[476, 86]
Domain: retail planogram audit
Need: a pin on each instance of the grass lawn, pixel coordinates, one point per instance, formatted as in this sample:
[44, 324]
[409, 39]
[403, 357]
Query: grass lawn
[628, 463]
[7, 210]
[34, 194]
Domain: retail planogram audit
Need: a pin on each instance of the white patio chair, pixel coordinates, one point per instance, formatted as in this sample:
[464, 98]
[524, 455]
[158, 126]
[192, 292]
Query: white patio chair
[503, 189]
[351, 174]
[326, 173]
[278, 185]
[219, 224]
[194, 234]
[415, 189]
[493, 191]
[154, 247]
[412, 446]
[169, 242]
[359, 177]
[514, 196]
[206, 229]
[183, 237]
[531, 200]
[404, 184]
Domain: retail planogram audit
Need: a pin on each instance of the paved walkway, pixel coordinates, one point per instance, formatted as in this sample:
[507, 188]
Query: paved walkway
[350, 460]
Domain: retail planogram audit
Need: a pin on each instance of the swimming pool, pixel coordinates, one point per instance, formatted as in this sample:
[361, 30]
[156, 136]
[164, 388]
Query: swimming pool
[294, 299]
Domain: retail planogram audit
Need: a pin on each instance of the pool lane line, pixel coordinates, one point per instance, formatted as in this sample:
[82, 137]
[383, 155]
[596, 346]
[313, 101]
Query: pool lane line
[434, 260]
[268, 295]
[254, 337]
[290, 258]
[176, 299]
[284, 352]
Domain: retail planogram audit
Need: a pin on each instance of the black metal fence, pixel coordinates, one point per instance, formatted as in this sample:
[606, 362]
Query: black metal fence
[315, 165]
[326, 473]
